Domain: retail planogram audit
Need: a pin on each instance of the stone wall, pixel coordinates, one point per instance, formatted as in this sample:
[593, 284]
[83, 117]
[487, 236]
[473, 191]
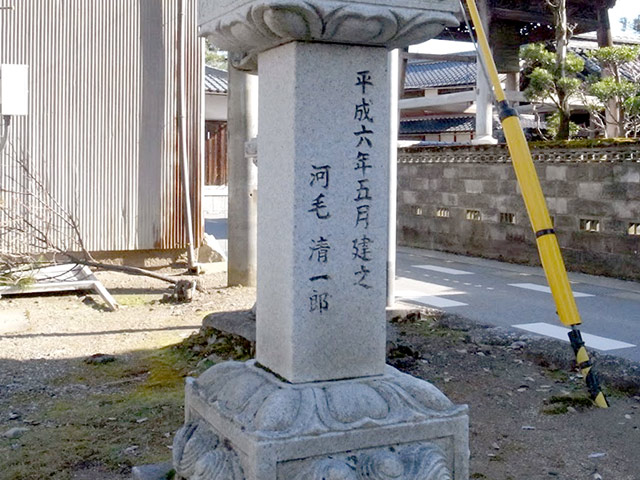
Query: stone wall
[466, 200]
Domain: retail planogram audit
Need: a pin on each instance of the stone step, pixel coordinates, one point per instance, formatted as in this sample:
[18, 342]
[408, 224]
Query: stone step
[155, 471]
[242, 323]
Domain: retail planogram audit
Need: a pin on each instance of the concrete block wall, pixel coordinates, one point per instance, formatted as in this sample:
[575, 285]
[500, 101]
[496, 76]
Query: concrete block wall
[475, 208]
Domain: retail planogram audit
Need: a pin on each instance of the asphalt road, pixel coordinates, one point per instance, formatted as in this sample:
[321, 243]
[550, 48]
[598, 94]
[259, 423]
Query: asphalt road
[510, 295]
[504, 294]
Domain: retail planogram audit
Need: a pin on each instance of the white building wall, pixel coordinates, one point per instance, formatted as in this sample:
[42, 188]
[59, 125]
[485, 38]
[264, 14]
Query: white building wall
[215, 107]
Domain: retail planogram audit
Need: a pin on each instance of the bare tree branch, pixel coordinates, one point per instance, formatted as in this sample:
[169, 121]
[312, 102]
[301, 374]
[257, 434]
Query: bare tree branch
[37, 230]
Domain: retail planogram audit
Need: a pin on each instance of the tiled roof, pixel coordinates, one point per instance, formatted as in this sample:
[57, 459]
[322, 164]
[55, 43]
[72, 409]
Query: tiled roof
[629, 70]
[459, 123]
[430, 74]
[436, 124]
[215, 80]
[618, 39]
[423, 74]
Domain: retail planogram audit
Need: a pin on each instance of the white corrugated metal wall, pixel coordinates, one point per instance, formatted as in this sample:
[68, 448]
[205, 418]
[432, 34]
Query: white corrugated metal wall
[101, 130]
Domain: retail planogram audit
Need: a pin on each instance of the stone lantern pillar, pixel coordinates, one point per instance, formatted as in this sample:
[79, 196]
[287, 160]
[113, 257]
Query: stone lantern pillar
[319, 402]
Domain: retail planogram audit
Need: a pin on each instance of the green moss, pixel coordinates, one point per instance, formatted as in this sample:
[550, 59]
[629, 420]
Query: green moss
[556, 410]
[99, 428]
[576, 401]
[557, 375]
[559, 405]
[141, 404]
[434, 329]
[584, 143]
[210, 341]
[579, 143]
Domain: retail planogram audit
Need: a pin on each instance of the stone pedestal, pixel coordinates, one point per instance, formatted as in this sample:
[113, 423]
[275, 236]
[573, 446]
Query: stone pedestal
[319, 402]
[244, 423]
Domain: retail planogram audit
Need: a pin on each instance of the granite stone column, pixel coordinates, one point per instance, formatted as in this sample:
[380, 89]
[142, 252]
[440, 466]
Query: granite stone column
[319, 402]
[484, 110]
[484, 94]
[242, 219]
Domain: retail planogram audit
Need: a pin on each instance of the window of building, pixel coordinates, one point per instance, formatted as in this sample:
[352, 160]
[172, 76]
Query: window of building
[589, 225]
[474, 215]
[443, 213]
[506, 217]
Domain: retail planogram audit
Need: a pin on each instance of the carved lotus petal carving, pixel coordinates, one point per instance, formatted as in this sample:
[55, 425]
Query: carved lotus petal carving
[270, 408]
[253, 26]
[290, 20]
[351, 403]
[328, 470]
[237, 392]
[422, 392]
[191, 443]
[220, 464]
[426, 462]
[279, 411]
[347, 26]
[384, 465]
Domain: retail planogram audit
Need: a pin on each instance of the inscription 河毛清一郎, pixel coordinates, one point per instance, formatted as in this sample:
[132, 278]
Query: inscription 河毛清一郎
[321, 200]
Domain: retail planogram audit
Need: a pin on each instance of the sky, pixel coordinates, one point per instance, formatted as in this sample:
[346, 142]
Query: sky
[623, 8]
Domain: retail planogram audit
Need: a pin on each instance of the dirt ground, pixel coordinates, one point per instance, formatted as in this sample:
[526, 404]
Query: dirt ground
[529, 414]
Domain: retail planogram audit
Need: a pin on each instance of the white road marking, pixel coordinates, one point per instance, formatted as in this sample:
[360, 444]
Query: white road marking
[418, 287]
[437, 302]
[542, 288]
[450, 271]
[431, 300]
[556, 331]
[427, 293]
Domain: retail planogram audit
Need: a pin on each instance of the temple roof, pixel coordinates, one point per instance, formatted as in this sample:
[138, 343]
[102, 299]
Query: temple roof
[215, 80]
[534, 18]
[451, 123]
[428, 74]
[512, 23]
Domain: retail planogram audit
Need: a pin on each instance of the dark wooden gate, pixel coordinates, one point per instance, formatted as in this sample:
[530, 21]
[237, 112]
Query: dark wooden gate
[215, 170]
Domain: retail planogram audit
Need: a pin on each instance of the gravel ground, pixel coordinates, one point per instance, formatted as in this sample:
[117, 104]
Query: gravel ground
[512, 383]
[63, 328]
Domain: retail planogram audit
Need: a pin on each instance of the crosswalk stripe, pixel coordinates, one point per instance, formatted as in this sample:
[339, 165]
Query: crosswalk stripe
[556, 331]
[545, 289]
[430, 300]
[450, 271]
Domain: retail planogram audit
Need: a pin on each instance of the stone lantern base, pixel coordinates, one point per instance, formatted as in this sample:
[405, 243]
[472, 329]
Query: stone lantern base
[243, 423]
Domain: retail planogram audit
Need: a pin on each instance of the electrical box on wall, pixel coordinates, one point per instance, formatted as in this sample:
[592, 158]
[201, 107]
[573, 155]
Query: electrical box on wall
[14, 89]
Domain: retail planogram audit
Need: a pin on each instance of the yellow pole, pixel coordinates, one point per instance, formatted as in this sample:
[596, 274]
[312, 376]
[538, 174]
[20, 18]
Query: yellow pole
[535, 203]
